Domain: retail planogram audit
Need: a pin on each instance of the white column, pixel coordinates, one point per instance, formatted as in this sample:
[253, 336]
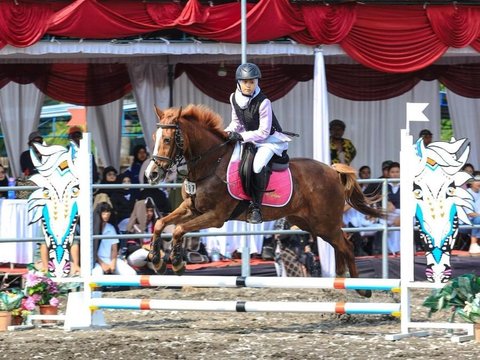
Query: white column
[321, 147]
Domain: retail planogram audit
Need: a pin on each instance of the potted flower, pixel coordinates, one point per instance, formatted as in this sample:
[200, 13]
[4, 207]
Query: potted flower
[41, 290]
[10, 299]
[461, 295]
[20, 313]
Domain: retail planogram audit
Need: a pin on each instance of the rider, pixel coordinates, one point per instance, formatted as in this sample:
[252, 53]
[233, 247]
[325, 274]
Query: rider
[253, 121]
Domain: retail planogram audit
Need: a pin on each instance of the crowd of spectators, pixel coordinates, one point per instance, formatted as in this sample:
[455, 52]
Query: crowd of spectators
[136, 210]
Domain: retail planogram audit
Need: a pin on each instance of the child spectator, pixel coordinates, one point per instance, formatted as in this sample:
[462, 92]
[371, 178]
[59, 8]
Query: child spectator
[106, 250]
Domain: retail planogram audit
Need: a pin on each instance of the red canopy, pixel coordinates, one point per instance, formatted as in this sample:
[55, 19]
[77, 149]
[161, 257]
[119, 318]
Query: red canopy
[396, 45]
[387, 38]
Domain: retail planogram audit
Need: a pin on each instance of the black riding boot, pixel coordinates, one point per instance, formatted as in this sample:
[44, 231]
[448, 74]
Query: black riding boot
[260, 182]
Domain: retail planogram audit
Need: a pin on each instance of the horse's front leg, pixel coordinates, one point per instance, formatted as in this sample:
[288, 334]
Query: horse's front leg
[156, 255]
[209, 219]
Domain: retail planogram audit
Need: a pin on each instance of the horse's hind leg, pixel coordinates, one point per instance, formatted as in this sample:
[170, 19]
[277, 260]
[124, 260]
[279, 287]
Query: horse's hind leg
[344, 256]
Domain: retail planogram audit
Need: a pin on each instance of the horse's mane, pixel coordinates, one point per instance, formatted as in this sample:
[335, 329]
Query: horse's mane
[206, 117]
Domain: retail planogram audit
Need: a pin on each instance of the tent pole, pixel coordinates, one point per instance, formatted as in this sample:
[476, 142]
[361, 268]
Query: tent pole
[243, 11]
[170, 85]
[246, 240]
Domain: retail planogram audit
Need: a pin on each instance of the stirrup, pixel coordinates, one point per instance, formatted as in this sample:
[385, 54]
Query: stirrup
[254, 215]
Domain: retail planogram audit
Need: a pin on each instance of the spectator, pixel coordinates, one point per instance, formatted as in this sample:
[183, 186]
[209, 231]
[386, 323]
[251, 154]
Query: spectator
[474, 216]
[468, 168]
[109, 177]
[26, 163]
[106, 250]
[139, 156]
[375, 189]
[364, 173]
[3, 181]
[159, 198]
[363, 242]
[142, 220]
[75, 134]
[393, 239]
[123, 202]
[426, 135]
[341, 150]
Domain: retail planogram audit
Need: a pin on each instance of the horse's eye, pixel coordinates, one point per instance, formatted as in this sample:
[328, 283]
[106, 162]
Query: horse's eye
[166, 141]
[418, 194]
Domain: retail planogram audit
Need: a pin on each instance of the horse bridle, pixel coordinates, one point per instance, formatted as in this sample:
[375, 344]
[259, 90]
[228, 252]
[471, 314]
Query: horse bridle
[179, 143]
[178, 138]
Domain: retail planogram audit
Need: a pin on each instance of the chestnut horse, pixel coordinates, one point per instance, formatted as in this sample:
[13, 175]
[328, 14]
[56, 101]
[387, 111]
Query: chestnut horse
[195, 137]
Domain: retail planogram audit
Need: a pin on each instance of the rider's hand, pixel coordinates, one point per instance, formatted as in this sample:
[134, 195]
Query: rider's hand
[235, 136]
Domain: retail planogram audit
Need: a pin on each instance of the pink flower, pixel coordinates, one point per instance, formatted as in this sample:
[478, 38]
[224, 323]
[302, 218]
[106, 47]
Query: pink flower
[54, 301]
[31, 279]
[41, 289]
[29, 303]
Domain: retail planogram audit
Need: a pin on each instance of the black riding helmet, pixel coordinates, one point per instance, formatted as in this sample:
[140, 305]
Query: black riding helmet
[248, 71]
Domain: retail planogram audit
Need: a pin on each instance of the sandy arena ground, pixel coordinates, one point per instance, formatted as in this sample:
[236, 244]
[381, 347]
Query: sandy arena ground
[208, 335]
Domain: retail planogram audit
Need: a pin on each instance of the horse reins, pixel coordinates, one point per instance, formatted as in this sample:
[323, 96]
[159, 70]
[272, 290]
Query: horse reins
[179, 142]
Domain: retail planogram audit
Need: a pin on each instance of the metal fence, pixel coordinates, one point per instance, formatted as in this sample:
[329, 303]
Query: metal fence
[381, 227]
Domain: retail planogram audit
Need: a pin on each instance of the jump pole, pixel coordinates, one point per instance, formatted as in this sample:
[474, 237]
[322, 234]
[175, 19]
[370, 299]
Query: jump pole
[84, 309]
[246, 306]
[249, 281]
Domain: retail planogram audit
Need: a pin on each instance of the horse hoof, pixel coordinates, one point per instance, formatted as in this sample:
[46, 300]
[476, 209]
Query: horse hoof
[179, 269]
[160, 268]
[365, 293]
[158, 261]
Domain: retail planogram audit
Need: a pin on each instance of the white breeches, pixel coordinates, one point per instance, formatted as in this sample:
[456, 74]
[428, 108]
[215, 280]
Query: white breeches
[262, 157]
[274, 144]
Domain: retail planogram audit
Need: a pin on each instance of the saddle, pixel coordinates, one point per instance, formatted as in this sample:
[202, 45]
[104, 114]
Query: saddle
[276, 163]
[240, 176]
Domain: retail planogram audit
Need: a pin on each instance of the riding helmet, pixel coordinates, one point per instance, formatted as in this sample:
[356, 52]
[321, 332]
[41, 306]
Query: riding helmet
[248, 71]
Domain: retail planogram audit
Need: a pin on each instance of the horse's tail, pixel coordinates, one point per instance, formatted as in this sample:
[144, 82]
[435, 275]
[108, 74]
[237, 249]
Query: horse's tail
[354, 195]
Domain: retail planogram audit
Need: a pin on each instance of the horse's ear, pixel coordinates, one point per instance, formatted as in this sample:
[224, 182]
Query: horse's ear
[158, 112]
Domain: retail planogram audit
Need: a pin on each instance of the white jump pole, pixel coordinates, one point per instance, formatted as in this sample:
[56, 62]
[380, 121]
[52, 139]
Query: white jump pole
[246, 306]
[251, 282]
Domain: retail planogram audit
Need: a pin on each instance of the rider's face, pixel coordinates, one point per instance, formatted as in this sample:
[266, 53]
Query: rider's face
[248, 86]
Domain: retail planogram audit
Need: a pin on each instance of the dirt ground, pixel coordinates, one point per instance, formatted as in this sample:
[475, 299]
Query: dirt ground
[214, 335]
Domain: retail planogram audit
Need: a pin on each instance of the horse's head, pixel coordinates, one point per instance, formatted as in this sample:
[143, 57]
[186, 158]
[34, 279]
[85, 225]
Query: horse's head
[55, 203]
[440, 202]
[168, 144]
